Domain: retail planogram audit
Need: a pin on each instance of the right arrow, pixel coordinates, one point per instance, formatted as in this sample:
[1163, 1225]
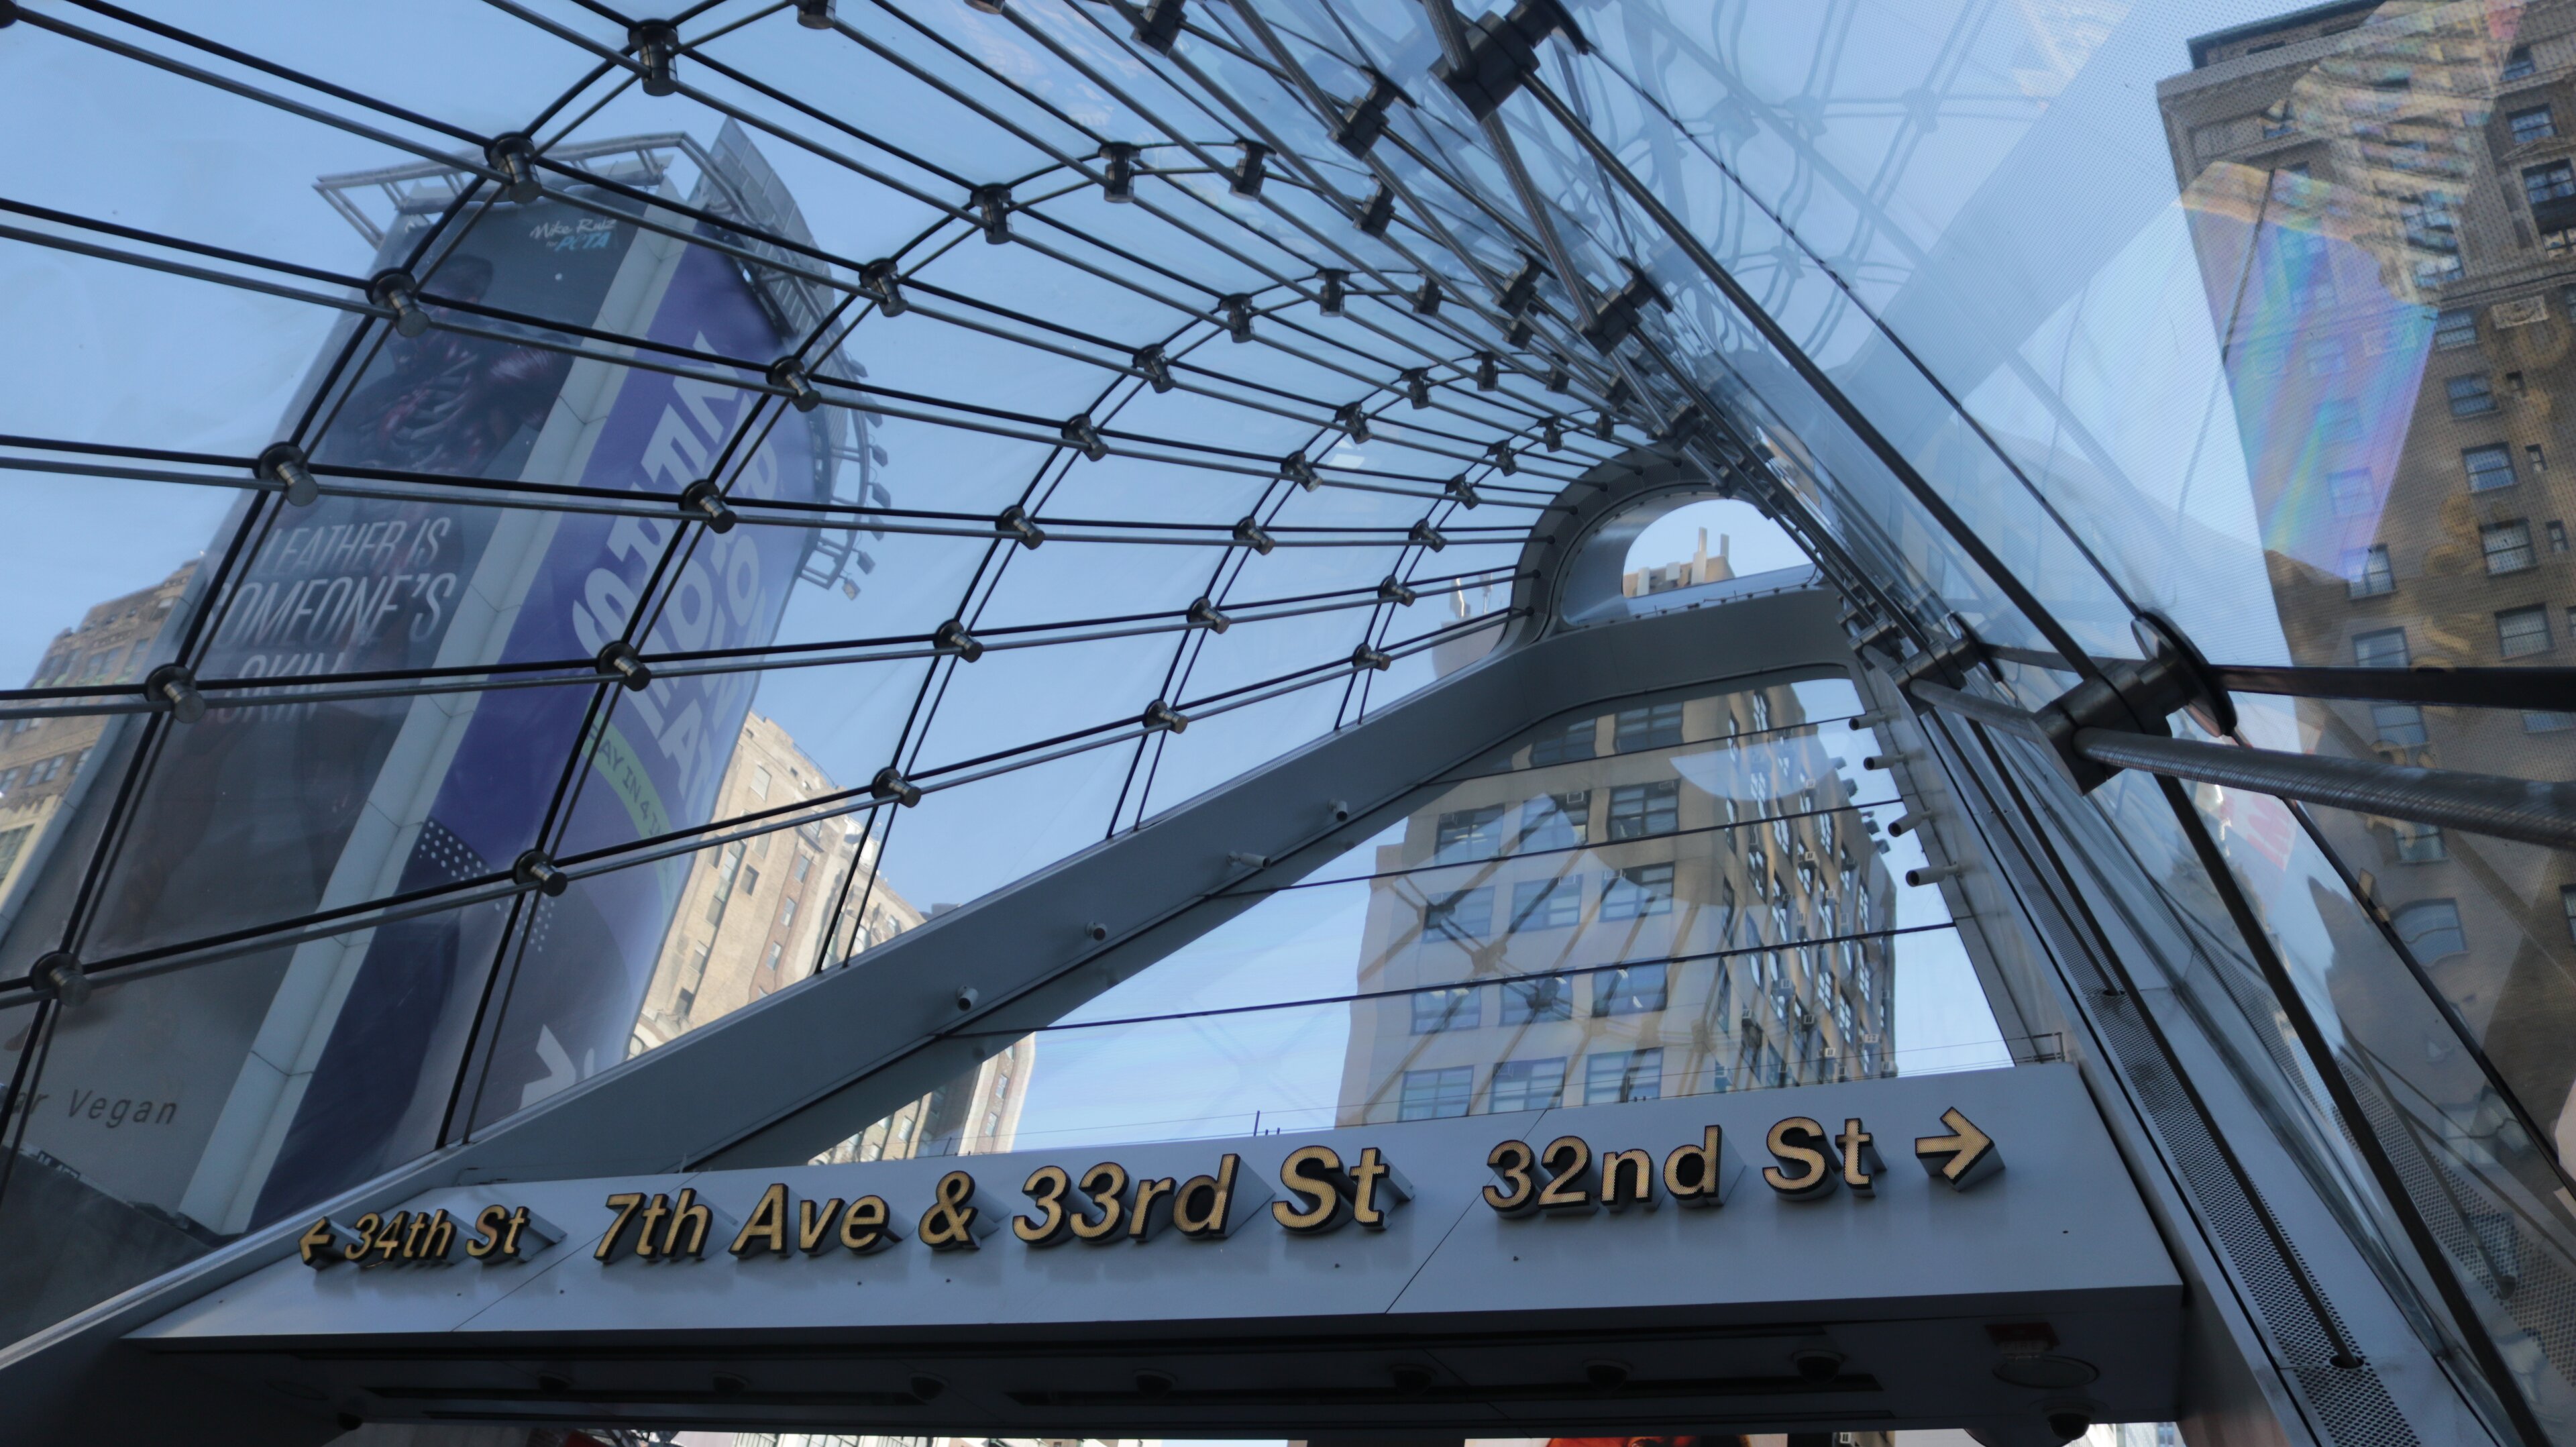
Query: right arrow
[1962, 1158]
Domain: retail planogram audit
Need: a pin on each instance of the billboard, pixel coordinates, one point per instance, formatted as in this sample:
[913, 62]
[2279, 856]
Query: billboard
[251, 1086]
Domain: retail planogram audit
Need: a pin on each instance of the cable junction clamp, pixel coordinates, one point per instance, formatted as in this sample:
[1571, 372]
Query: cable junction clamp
[1377, 212]
[1078, 433]
[992, 205]
[952, 637]
[1352, 419]
[1504, 459]
[1367, 657]
[1551, 433]
[788, 375]
[1522, 289]
[1502, 52]
[1424, 535]
[618, 660]
[534, 870]
[515, 157]
[1295, 468]
[1426, 297]
[1248, 174]
[174, 687]
[891, 787]
[1364, 120]
[1238, 316]
[1249, 532]
[815, 14]
[57, 975]
[1204, 614]
[1014, 523]
[284, 463]
[1160, 25]
[397, 292]
[1118, 172]
[1155, 367]
[1489, 371]
[1160, 715]
[657, 52]
[1335, 289]
[1417, 386]
[1463, 492]
[703, 501]
[1391, 591]
[884, 285]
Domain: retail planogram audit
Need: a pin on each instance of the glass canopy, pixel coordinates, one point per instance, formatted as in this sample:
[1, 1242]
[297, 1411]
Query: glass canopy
[535, 526]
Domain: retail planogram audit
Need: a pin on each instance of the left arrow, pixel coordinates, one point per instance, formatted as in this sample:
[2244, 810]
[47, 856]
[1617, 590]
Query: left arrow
[1962, 1158]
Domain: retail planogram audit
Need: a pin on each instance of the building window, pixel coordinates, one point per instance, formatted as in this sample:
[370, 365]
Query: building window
[1634, 893]
[787, 914]
[1617, 1077]
[2338, 421]
[2517, 64]
[2522, 632]
[2418, 843]
[1541, 998]
[1566, 744]
[1655, 727]
[2458, 327]
[2550, 181]
[771, 963]
[2276, 121]
[2381, 648]
[2366, 572]
[2534, 721]
[1637, 810]
[2432, 222]
[12, 843]
[2557, 537]
[804, 864]
[1546, 904]
[1436, 1094]
[1456, 1007]
[2532, 124]
[7, 777]
[2430, 929]
[1557, 821]
[1465, 915]
[2507, 547]
[750, 884]
[2349, 492]
[2488, 468]
[2470, 395]
[1629, 990]
[1528, 1085]
[1463, 834]
[2398, 723]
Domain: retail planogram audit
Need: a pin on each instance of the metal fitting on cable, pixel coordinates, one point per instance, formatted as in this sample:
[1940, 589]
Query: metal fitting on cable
[1246, 178]
[989, 7]
[952, 637]
[1352, 419]
[1249, 533]
[515, 157]
[993, 203]
[1364, 120]
[1334, 284]
[535, 871]
[788, 374]
[1603, 425]
[1520, 332]
[1551, 433]
[1878, 762]
[1934, 874]
[1118, 172]
[703, 501]
[1238, 317]
[657, 53]
[1161, 715]
[1684, 422]
[1014, 523]
[881, 281]
[1160, 25]
[284, 463]
[618, 660]
[1204, 614]
[1295, 468]
[1504, 459]
[1377, 212]
[1367, 657]
[174, 687]
[1155, 367]
[1501, 51]
[1391, 591]
[1078, 433]
[1463, 492]
[1522, 289]
[57, 975]
[1426, 536]
[1426, 297]
[1871, 719]
[396, 291]
[891, 787]
[1902, 825]
[815, 14]
[1558, 380]
[1489, 371]
[1417, 386]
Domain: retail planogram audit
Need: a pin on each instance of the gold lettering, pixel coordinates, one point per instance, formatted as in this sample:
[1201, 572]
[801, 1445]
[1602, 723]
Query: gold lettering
[1313, 1174]
[814, 1227]
[1153, 1209]
[1102, 1185]
[624, 1203]
[1692, 1173]
[1511, 1161]
[519, 1223]
[1047, 1186]
[1369, 1178]
[768, 1223]
[648, 1239]
[389, 1240]
[1789, 1141]
[695, 1219]
[950, 1223]
[1627, 1179]
[412, 1234]
[366, 1227]
[440, 1238]
[487, 1231]
[864, 1226]
[1568, 1161]
[1201, 1209]
[320, 1245]
[1860, 1158]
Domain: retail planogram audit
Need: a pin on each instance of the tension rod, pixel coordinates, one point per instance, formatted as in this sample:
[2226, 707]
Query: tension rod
[2528, 810]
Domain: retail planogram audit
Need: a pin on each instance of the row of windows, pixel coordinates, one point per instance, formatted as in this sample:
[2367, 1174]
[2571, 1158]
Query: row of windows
[1634, 893]
[2520, 633]
[2431, 928]
[1628, 990]
[1564, 821]
[42, 771]
[1610, 1077]
[2354, 491]
[2507, 547]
